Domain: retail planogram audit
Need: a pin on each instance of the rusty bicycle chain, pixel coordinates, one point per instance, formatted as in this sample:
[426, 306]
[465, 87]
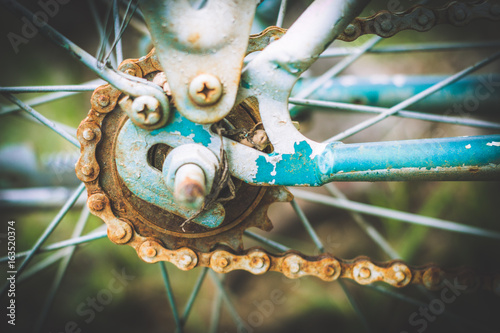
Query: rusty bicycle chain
[255, 260]
[386, 24]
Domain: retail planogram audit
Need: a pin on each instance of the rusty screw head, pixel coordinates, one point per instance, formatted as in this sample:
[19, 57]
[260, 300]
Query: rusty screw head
[294, 267]
[222, 262]
[365, 273]
[386, 25]
[205, 89]
[257, 262]
[422, 19]
[88, 134]
[185, 261]
[350, 30]
[329, 270]
[103, 100]
[87, 170]
[399, 276]
[97, 202]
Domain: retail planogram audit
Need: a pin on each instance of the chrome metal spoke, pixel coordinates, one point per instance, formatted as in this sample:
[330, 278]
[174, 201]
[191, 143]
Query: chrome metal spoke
[395, 215]
[104, 45]
[41, 89]
[216, 309]
[42, 119]
[338, 68]
[117, 29]
[53, 224]
[319, 245]
[402, 113]
[5, 109]
[307, 225]
[266, 241]
[98, 233]
[422, 47]
[355, 306]
[365, 226]
[192, 297]
[170, 296]
[229, 304]
[41, 265]
[415, 98]
[63, 265]
[281, 13]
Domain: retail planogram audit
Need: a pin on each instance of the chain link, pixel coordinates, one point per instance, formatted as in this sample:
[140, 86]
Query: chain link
[256, 260]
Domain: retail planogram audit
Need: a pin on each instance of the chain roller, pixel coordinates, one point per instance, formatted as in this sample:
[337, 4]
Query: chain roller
[257, 260]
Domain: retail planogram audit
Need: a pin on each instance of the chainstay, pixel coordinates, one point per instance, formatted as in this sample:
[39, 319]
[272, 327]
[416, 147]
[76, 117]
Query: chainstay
[292, 264]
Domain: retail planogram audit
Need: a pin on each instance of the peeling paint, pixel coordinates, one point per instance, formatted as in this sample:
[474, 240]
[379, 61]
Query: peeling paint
[468, 146]
[493, 143]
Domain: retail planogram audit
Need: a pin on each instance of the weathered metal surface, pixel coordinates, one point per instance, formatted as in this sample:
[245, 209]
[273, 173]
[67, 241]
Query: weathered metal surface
[475, 94]
[155, 232]
[419, 18]
[126, 83]
[210, 40]
[98, 135]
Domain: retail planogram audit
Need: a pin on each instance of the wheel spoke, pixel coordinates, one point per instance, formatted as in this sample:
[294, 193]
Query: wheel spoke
[402, 113]
[55, 222]
[415, 98]
[394, 214]
[319, 245]
[266, 241]
[229, 305]
[4, 109]
[215, 317]
[103, 39]
[42, 119]
[192, 297]
[41, 89]
[307, 225]
[63, 265]
[170, 296]
[346, 51]
[118, 47]
[281, 13]
[355, 306]
[98, 233]
[365, 226]
[338, 68]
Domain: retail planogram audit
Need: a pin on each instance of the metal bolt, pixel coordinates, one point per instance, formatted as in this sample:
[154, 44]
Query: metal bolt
[190, 186]
[386, 25]
[399, 276]
[151, 252]
[145, 109]
[294, 267]
[97, 202]
[130, 71]
[257, 262]
[88, 134]
[103, 100]
[459, 13]
[185, 261]
[87, 170]
[364, 273]
[350, 30]
[205, 89]
[329, 270]
[222, 262]
[423, 20]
